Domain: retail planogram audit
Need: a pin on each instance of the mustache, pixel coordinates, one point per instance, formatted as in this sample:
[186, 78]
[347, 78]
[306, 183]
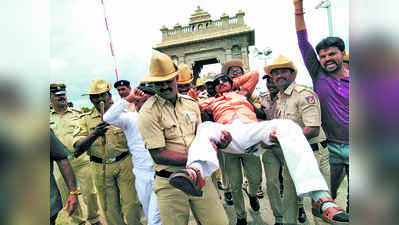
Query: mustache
[165, 89]
[329, 61]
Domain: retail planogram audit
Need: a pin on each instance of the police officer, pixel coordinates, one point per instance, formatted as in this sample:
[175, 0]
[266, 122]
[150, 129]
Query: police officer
[168, 122]
[63, 120]
[300, 104]
[124, 89]
[185, 82]
[117, 193]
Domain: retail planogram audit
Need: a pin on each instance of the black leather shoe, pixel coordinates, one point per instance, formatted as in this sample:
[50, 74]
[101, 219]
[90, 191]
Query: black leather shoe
[229, 198]
[301, 215]
[278, 223]
[241, 221]
[254, 202]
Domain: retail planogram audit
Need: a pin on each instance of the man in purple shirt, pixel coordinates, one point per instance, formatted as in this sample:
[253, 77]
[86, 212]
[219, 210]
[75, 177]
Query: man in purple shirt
[331, 83]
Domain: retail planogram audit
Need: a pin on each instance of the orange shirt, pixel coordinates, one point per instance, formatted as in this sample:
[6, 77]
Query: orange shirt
[232, 104]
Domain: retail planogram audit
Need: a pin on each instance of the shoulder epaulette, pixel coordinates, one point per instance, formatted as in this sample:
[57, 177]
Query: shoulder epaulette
[85, 114]
[300, 88]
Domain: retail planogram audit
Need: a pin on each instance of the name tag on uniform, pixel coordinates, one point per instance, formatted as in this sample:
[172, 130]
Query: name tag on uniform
[75, 131]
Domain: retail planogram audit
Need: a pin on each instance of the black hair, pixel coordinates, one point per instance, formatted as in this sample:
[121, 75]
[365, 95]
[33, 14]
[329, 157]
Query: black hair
[330, 42]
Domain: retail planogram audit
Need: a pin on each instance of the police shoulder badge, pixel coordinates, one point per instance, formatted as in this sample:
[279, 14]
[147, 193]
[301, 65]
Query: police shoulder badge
[310, 100]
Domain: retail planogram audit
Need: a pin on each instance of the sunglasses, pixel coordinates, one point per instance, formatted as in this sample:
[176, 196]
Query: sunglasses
[223, 79]
[235, 71]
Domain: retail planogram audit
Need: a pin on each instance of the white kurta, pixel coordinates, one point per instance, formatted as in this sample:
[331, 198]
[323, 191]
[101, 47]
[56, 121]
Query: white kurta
[298, 154]
[143, 167]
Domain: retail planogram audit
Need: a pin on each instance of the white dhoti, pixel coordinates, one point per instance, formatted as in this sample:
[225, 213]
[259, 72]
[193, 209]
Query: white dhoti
[298, 154]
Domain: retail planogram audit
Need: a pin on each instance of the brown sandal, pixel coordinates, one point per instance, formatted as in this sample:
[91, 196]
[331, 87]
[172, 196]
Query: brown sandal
[328, 214]
[182, 180]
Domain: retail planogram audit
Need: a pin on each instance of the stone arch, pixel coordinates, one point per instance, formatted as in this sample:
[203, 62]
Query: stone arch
[236, 52]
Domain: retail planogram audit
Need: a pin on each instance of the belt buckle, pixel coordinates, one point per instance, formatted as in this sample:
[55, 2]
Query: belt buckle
[111, 160]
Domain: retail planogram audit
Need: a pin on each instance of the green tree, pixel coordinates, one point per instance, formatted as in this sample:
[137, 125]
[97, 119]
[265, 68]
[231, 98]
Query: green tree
[85, 109]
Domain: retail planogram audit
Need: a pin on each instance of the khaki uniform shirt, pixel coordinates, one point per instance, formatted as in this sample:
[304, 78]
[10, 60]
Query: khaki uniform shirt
[116, 142]
[254, 99]
[299, 104]
[64, 126]
[163, 125]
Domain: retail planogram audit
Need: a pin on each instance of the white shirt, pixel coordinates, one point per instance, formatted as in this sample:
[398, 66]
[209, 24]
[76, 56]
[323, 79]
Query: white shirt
[117, 116]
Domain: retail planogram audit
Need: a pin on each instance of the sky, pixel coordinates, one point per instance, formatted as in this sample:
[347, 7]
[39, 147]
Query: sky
[79, 42]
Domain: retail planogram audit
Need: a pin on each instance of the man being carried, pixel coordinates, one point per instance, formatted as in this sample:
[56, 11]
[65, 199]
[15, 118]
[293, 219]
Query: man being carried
[168, 122]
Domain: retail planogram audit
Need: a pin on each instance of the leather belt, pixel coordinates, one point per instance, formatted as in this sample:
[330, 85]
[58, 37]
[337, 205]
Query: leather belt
[163, 173]
[315, 147]
[109, 161]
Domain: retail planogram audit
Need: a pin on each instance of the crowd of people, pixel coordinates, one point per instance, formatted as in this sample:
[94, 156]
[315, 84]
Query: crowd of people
[165, 147]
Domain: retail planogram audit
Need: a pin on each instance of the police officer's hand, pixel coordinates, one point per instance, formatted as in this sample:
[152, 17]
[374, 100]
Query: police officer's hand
[297, 1]
[193, 94]
[224, 139]
[71, 203]
[135, 95]
[100, 129]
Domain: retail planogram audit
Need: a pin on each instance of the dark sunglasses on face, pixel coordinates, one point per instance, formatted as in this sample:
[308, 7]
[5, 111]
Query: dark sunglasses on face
[223, 79]
[235, 71]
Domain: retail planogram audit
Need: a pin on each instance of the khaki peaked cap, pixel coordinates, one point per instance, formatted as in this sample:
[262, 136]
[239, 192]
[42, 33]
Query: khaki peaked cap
[346, 58]
[162, 68]
[185, 74]
[200, 82]
[97, 86]
[279, 63]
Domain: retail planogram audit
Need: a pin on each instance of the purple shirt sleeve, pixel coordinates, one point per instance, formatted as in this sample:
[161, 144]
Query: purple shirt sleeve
[309, 55]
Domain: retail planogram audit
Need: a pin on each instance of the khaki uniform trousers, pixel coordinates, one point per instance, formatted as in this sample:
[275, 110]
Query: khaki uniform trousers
[89, 209]
[123, 206]
[174, 205]
[288, 205]
[271, 160]
[221, 172]
[234, 163]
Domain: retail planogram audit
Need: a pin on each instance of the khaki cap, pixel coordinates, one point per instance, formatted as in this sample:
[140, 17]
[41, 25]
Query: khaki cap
[279, 63]
[346, 58]
[97, 86]
[230, 64]
[161, 68]
[185, 74]
[200, 82]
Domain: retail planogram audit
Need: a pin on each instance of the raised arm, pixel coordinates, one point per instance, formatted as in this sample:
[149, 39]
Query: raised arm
[308, 53]
[247, 81]
[299, 18]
